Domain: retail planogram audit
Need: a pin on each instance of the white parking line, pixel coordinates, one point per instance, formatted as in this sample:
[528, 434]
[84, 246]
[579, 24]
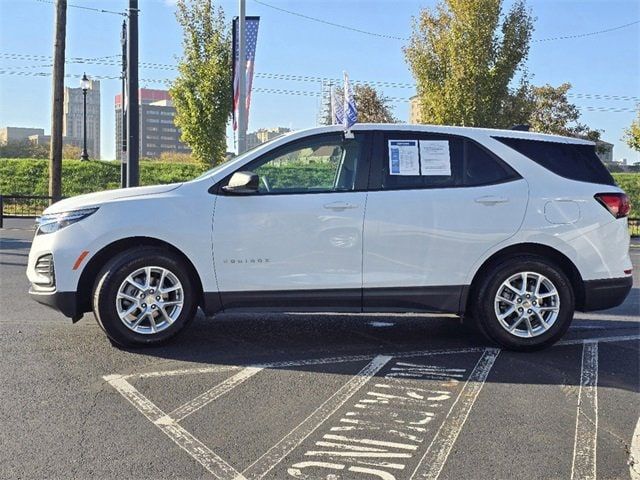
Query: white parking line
[210, 395]
[579, 341]
[275, 454]
[184, 371]
[634, 453]
[200, 452]
[584, 449]
[436, 455]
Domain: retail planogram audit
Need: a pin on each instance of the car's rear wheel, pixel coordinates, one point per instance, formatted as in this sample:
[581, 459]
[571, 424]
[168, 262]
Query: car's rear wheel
[144, 296]
[524, 303]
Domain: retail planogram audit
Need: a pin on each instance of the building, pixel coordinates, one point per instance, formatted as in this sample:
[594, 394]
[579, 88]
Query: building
[18, 134]
[264, 135]
[42, 139]
[604, 151]
[414, 110]
[72, 125]
[158, 133]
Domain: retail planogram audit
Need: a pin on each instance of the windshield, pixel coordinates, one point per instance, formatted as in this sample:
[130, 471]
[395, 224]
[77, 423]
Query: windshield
[220, 166]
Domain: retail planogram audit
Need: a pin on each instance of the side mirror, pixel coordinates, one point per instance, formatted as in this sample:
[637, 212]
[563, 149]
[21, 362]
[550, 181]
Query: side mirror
[242, 182]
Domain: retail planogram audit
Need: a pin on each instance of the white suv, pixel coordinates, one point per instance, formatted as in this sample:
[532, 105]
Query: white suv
[513, 229]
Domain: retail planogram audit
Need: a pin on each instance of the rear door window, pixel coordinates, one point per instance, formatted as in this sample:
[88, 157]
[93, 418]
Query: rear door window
[416, 160]
[399, 171]
[569, 160]
[482, 167]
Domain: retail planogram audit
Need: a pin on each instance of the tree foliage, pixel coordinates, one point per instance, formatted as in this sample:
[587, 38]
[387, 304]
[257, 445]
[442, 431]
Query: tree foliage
[632, 134]
[202, 91]
[372, 105]
[552, 112]
[464, 58]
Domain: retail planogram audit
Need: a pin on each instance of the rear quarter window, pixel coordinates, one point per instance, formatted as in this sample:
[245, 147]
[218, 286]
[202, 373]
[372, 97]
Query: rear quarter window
[569, 160]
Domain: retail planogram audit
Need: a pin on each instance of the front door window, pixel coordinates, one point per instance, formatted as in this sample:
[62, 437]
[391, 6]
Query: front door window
[324, 164]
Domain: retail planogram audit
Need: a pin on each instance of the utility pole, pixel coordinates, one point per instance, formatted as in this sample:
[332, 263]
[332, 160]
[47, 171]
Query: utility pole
[57, 98]
[133, 117]
[242, 82]
[123, 111]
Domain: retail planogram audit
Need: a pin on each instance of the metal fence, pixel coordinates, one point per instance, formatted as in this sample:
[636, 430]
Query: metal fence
[22, 206]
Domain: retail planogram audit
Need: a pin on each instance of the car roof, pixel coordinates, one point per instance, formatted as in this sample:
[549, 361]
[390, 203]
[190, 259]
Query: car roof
[444, 129]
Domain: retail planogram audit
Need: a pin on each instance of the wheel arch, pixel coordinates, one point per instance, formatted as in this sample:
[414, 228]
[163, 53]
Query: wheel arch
[88, 276]
[544, 251]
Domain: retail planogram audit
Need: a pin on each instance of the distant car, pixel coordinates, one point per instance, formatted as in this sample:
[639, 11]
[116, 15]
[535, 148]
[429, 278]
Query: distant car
[514, 230]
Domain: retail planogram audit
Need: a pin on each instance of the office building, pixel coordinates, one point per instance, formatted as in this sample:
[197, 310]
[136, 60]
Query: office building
[158, 133]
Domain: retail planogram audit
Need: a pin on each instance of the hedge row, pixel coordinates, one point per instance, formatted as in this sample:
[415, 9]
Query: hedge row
[30, 177]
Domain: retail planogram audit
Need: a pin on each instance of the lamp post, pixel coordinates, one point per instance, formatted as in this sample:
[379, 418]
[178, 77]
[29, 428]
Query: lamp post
[84, 85]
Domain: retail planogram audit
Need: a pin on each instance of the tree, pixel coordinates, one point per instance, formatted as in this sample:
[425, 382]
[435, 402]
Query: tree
[632, 134]
[551, 112]
[202, 91]
[464, 59]
[372, 105]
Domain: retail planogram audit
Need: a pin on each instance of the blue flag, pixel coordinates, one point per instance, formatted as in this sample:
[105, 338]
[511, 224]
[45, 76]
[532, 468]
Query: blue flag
[350, 110]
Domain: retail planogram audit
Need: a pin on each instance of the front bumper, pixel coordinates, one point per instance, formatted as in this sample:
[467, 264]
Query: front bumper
[607, 293]
[64, 302]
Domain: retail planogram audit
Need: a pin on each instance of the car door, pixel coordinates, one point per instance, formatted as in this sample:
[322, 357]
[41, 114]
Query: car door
[426, 227]
[297, 241]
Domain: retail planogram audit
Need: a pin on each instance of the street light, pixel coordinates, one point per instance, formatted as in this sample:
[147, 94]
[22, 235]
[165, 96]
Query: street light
[84, 85]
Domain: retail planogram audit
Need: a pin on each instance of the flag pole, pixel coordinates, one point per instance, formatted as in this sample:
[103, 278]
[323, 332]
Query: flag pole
[242, 81]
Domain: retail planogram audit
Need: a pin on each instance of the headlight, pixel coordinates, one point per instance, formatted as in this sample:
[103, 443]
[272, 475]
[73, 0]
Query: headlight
[56, 221]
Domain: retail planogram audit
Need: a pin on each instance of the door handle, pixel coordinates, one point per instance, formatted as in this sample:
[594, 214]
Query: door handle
[491, 200]
[339, 206]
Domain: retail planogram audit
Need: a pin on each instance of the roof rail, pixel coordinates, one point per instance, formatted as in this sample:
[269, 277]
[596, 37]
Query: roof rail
[522, 127]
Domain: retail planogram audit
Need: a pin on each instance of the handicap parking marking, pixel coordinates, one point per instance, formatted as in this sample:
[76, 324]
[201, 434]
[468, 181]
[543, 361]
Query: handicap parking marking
[391, 427]
[283, 448]
[446, 399]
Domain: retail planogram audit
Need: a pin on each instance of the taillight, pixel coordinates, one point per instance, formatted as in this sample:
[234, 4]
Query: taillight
[618, 204]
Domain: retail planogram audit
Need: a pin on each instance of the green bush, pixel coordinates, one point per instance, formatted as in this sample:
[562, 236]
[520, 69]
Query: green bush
[630, 183]
[314, 175]
[30, 176]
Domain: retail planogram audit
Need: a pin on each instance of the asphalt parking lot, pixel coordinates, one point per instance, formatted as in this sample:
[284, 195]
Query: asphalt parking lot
[322, 396]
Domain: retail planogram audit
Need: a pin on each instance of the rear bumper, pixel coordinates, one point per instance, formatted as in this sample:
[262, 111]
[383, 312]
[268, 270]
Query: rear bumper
[608, 293]
[64, 302]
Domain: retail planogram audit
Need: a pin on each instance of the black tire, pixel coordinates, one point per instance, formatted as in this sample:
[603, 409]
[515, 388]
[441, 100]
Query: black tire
[114, 274]
[485, 316]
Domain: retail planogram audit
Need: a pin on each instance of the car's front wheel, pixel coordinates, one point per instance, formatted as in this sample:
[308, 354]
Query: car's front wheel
[524, 303]
[144, 296]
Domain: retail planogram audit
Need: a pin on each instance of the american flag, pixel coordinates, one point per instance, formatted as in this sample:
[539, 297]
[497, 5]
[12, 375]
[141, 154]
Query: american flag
[251, 39]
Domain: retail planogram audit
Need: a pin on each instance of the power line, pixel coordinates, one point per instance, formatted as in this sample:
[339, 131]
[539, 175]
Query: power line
[392, 37]
[588, 34]
[83, 7]
[270, 75]
[275, 91]
[326, 22]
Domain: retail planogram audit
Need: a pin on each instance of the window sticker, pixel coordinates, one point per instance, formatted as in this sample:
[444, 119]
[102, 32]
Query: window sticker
[435, 159]
[403, 157]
